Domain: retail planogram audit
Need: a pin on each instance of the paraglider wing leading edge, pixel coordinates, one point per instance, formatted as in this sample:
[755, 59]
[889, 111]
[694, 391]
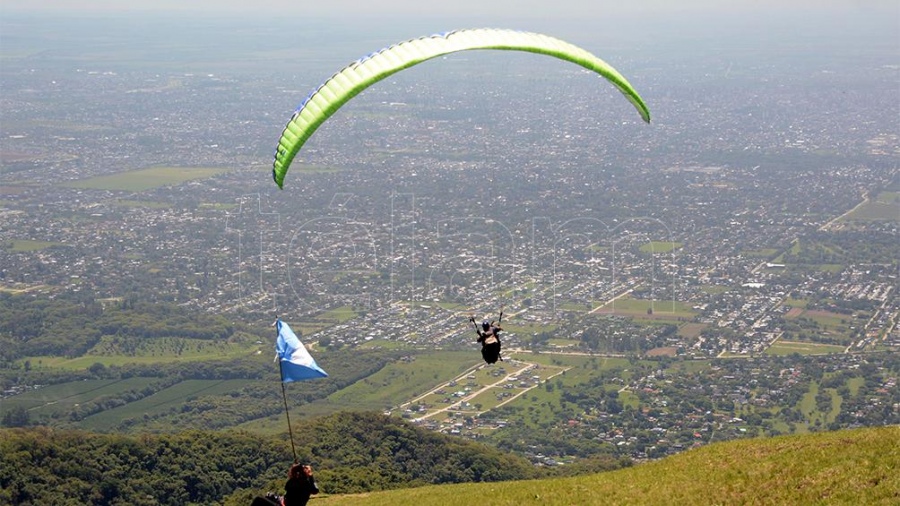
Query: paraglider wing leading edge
[325, 100]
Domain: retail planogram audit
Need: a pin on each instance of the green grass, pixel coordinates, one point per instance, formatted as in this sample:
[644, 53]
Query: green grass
[832, 327]
[219, 206]
[145, 179]
[484, 378]
[844, 467]
[803, 348]
[563, 343]
[142, 204]
[388, 388]
[61, 398]
[808, 407]
[393, 385]
[401, 381]
[160, 402]
[660, 247]
[807, 404]
[801, 303]
[662, 309]
[691, 330]
[25, 245]
[691, 366]
[836, 401]
[629, 399]
[761, 253]
[313, 169]
[853, 384]
[341, 314]
[827, 319]
[150, 351]
[714, 289]
[33, 288]
[884, 207]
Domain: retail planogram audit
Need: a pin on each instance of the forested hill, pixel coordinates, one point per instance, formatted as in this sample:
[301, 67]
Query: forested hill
[351, 452]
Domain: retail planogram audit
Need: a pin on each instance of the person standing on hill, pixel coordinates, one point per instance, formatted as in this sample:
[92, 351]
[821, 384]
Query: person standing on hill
[300, 485]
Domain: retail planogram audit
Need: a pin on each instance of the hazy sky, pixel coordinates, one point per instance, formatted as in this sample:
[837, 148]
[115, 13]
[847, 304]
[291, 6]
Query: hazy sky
[517, 8]
[678, 18]
[638, 23]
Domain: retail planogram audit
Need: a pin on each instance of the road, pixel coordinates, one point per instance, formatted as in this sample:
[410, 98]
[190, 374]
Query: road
[497, 384]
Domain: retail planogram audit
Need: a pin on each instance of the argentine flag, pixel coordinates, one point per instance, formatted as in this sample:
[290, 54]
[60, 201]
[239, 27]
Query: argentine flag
[295, 361]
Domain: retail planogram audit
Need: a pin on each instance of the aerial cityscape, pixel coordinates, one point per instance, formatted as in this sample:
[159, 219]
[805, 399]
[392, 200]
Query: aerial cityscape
[729, 270]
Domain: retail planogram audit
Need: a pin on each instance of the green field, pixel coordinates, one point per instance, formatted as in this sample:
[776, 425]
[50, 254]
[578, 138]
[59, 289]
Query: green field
[808, 407]
[803, 348]
[312, 169]
[149, 351]
[142, 203]
[24, 245]
[160, 402]
[537, 406]
[761, 253]
[62, 398]
[884, 207]
[660, 247]
[825, 326]
[691, 330]
[145, 179]
[23, 289]
[464, 387]
[801, 303]
[714, 289]
[854, 383]
[401, 381]
[393, 385]
[324, 320]
[662, 309]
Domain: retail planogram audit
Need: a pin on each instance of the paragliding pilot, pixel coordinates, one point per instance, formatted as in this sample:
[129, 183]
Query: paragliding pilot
[489, 337]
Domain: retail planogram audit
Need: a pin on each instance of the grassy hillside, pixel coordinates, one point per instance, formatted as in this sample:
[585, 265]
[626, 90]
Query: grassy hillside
[845, 467]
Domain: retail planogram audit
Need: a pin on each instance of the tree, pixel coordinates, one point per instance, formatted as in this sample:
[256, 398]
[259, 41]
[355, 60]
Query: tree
[16, 417]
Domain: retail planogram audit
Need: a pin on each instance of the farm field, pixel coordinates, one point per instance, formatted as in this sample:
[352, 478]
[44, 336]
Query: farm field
[662, 310]
[884, 207]
[150, 351]
[26, 245]
[803, 348]
[401, 380]
[482, 389]
[159, 402]
[145, 179]
[60, 399]
[657, 247]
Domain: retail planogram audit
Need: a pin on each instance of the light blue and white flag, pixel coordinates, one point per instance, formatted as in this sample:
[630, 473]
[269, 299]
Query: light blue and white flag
[295, 361]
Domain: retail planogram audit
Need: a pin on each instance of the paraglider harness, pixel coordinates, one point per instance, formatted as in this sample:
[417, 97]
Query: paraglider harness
[488, 336]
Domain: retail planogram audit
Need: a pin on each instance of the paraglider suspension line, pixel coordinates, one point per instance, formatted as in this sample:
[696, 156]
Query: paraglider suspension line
[286, 412]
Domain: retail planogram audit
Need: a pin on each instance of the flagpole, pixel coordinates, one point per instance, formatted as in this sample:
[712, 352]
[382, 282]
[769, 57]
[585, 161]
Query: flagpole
[286, 412]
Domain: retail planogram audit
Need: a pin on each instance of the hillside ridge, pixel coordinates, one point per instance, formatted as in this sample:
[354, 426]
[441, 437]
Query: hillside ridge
[854, 466]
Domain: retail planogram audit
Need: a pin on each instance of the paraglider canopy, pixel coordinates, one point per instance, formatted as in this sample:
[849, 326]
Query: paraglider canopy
[325, 100]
